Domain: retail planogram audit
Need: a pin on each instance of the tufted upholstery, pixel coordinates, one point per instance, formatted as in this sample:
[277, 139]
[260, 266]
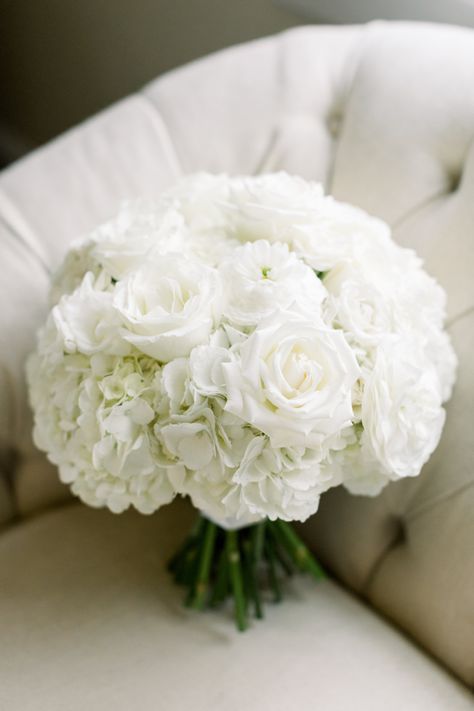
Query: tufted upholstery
[383, 115]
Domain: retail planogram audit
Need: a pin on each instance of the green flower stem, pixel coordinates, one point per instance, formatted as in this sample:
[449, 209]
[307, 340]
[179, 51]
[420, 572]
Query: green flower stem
[300, 553]
[272, 574]
[235, 570]
[189, 575]
[258, 539]
[201, 586]
[282, 556]
[214, 564]
[185, 566]
[221, 588]
[252, 577]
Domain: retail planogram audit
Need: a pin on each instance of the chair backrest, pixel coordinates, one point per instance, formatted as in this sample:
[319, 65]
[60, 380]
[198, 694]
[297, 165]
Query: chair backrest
[383, 115]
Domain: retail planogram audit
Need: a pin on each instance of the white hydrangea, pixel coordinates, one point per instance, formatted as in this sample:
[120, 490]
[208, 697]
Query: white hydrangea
[94, 415]
[248, 342]
[283, 483]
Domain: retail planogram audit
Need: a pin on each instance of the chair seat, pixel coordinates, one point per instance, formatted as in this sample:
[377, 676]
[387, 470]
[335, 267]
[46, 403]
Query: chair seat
[89, 619]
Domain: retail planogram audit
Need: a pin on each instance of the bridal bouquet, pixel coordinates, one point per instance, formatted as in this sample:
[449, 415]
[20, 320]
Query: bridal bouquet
[250, 343]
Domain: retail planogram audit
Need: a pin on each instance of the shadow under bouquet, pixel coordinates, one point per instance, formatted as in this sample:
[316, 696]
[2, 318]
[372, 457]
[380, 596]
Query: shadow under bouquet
[250, 343]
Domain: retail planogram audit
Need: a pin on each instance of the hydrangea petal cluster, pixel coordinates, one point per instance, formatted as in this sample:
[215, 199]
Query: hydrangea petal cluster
[248, 342]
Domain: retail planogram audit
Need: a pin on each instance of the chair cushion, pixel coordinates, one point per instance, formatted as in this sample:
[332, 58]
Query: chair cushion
[89, 619]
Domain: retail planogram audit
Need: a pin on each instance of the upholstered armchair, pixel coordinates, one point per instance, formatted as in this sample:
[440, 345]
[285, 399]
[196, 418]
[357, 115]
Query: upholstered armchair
[383, 115]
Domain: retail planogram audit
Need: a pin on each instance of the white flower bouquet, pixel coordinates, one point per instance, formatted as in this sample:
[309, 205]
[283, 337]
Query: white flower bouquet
[249, 343]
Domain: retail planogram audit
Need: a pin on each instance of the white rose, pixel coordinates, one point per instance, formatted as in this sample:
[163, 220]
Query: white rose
[356, 305]
[211, 247]
[77, 262]
[337, 232]
[293, 381]
[271, 206]
[374, 294]
[168, 306]
[401, 408]
[88, 322]
[247, 208]
[260, 277]
[141, 229]
[199, 199]
[376, 263]
[439, 350]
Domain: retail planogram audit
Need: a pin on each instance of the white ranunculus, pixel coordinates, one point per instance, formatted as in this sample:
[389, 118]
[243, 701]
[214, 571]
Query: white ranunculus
[401, 408]
[260, 277]
[168, 306]
[292, 380]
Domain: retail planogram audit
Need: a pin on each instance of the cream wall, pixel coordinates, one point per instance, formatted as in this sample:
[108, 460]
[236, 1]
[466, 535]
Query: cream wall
[62, 60]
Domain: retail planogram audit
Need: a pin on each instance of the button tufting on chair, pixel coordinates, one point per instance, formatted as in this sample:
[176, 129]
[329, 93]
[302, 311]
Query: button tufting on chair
[334, 122]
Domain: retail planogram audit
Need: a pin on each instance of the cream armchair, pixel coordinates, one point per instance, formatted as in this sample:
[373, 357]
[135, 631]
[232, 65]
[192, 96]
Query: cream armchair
[383, 115]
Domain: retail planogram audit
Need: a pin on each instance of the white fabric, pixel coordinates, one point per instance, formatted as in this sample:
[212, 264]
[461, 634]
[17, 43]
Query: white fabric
[91, 620]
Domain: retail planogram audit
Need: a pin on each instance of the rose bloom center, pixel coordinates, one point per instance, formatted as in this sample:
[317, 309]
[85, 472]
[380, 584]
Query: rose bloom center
[166, 295]
[298, 371]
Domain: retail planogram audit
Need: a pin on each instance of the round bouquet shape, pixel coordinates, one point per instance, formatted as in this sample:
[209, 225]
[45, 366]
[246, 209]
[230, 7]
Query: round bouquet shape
[250, 343]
